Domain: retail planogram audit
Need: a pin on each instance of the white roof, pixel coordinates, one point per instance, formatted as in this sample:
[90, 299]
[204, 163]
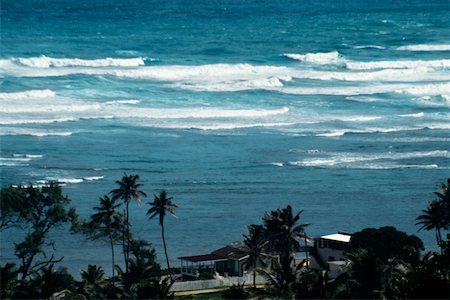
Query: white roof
[337, 237]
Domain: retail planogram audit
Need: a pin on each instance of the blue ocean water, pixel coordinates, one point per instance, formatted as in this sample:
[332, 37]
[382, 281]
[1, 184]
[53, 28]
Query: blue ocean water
[235, 107]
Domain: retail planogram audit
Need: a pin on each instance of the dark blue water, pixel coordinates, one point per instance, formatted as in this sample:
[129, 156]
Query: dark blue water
[235, 107]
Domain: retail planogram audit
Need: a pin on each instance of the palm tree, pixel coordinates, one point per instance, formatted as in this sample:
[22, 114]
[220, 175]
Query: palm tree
[283, 231]
[159, 207]
[444, 198]
[437, 215]
[280, 278]
[434, 217]
[255, 243]
[93, 275]
[128, 189]
[107, 219]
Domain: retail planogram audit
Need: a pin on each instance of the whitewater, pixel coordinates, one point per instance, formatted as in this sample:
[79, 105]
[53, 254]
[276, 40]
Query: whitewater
[234, 107]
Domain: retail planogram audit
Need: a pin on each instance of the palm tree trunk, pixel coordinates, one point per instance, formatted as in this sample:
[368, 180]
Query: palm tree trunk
[306, 252]
[254, 276]
[124, 247]
[439, 237]
[165, 251]
[128, 238]
[112, 255]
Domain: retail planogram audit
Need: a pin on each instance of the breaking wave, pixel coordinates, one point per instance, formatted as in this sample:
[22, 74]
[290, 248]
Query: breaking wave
[369, 47]
[425, 47]
[352, 159]
[398, 64]
[320, 58]
[27, 94]
[50, 62]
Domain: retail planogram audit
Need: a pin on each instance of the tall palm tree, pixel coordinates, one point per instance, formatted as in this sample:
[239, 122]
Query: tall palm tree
[437, 215]
[434, 217]
[159, 207]
[106, 220]
[283, 231]
[444, 198]
[128, 189]
[255, 242]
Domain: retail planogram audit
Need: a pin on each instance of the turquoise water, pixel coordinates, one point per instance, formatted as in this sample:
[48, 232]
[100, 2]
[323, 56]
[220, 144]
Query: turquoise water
[234, 107]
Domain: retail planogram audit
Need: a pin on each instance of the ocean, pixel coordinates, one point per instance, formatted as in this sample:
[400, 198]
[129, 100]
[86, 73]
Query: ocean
[339, 108]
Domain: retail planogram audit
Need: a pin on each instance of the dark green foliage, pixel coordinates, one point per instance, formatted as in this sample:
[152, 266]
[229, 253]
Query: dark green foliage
[255, 242]
[315, 284]
[44, 284]
[431, 278]
[283, 231]
[107, 224]
[283, 234]
[142, 264]
[386, 243]
[380, 261]
[8, 280]
[128, 189]
[437, 215]
[153, 289]
[45, 209]
[281, 277]
[205, 276]
[236, 291]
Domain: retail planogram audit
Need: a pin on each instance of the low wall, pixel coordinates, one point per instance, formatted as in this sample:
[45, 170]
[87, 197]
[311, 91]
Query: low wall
[214, 283]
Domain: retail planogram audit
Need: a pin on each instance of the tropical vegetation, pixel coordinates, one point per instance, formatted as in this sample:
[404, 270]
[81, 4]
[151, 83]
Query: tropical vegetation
[380, 262]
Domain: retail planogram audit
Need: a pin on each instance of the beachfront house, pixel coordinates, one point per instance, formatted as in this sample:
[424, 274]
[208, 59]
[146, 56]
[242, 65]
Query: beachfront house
[226, 261]
[328, 253]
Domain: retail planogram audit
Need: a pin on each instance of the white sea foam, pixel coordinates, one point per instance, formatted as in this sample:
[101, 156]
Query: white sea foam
[384, 75]
[222, 72]
[132, 102]
[15, 159]
[65, 180]
[270, 83]
[218, 126]
[335, 133]
[32, 132]
[417, 115]
[93, 178]
[369, 47]
[425, 47]
[435, 89]
[398, 64]
[320, 58]
[332, 133]
[336, 159]
[48, 62]
[27, 156]
[12, 164]
[62, 109]
[31, 94]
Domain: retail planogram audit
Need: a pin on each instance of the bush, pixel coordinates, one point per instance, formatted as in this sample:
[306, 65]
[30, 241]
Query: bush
[206, 276]
[235, 292]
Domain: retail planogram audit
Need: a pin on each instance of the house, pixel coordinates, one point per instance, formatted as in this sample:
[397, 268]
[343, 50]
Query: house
[226, 261]
[328, 253]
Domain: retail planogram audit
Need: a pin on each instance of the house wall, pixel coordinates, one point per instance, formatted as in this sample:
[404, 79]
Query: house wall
[330, 250]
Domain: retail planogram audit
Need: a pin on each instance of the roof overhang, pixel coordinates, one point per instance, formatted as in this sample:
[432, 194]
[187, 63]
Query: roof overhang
[203, 258]
[338, 237]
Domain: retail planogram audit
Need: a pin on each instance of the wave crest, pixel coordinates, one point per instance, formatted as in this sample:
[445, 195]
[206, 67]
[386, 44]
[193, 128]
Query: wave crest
[49, 62]
[425, 47]
[320, 58]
